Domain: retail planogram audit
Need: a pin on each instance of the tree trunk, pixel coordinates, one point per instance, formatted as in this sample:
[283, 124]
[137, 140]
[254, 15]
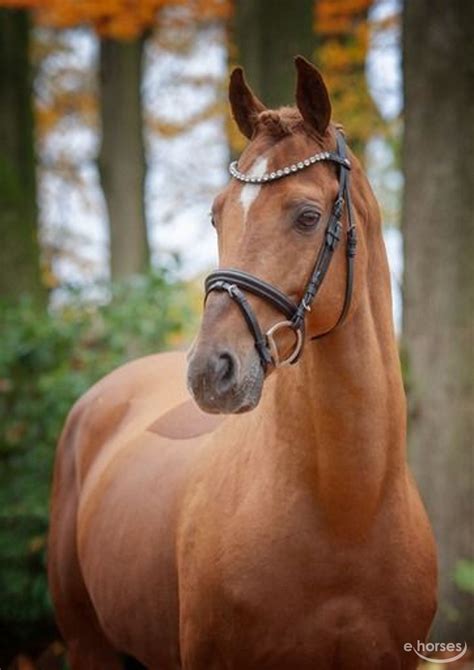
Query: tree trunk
[122, 156]
[438, 228]
[266, 35]
[269, 34]
[19, 248]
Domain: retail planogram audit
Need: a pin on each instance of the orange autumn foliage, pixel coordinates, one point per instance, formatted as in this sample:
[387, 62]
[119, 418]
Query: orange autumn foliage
[343, 30]
[166, 129]
[83, 105]
[336, 17]
[119, 19]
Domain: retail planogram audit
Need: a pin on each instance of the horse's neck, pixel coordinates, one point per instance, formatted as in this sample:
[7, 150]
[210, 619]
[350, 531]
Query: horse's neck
[340, 413]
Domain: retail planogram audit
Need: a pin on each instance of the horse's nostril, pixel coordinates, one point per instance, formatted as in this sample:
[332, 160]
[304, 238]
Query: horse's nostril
[224, 370]
[214, 378]
[225, 367]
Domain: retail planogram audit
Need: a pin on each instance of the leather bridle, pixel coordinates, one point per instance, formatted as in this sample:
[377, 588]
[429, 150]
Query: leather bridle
[237, 282]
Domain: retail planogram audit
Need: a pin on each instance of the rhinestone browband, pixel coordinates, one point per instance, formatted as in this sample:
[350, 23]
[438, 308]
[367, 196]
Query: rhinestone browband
[290, 169]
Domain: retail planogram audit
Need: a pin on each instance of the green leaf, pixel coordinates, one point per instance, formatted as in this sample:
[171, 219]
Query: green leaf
[464, 575]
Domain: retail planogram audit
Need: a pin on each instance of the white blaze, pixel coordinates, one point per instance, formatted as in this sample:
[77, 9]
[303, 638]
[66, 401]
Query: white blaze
[249, 192]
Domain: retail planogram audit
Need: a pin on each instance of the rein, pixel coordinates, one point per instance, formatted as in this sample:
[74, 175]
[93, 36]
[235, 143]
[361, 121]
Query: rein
[237, 282]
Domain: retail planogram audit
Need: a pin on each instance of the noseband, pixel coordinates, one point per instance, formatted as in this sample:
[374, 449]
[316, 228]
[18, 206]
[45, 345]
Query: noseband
[237, 282]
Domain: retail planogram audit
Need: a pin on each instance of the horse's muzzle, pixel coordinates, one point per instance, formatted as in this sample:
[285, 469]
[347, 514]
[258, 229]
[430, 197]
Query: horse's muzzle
[221, 383]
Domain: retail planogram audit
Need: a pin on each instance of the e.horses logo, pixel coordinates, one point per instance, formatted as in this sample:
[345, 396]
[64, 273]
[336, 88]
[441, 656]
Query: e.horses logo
[421, 649]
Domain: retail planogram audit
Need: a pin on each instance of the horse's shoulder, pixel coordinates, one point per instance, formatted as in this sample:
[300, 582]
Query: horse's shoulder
[123, 403]
[185, 421]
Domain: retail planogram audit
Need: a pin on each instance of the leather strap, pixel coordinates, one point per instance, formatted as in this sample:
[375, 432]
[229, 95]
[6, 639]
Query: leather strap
[351, 245]
[253, 285]
[252, 322]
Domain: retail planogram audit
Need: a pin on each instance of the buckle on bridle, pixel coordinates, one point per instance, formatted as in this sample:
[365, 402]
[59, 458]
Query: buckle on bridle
[272, 345]
[231, 289]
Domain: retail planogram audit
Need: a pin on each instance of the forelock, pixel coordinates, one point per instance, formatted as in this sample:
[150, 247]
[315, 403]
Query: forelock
[275, 124]
[279, 122]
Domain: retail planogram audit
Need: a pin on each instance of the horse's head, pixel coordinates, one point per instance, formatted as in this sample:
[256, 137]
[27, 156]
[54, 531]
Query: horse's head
[274, 231]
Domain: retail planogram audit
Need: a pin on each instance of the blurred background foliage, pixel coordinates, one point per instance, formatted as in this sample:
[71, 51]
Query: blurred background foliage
[47, 360]
[115, 135]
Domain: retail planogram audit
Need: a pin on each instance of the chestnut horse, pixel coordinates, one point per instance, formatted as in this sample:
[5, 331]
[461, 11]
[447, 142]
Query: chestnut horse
[289, 537]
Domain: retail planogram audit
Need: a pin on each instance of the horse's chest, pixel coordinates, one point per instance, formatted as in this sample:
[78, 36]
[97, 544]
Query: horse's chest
[276, 590]
[251, 604]
[274, 621]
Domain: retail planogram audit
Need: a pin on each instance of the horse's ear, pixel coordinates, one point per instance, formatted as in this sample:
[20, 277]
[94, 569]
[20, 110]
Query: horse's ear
[312, 98]
[244, 104]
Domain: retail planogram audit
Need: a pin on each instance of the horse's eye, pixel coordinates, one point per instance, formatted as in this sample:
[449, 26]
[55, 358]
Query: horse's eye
[213, 220]
[308, 219]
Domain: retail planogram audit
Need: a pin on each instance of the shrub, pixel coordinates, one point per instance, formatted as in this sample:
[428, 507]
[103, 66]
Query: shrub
[47, 360]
